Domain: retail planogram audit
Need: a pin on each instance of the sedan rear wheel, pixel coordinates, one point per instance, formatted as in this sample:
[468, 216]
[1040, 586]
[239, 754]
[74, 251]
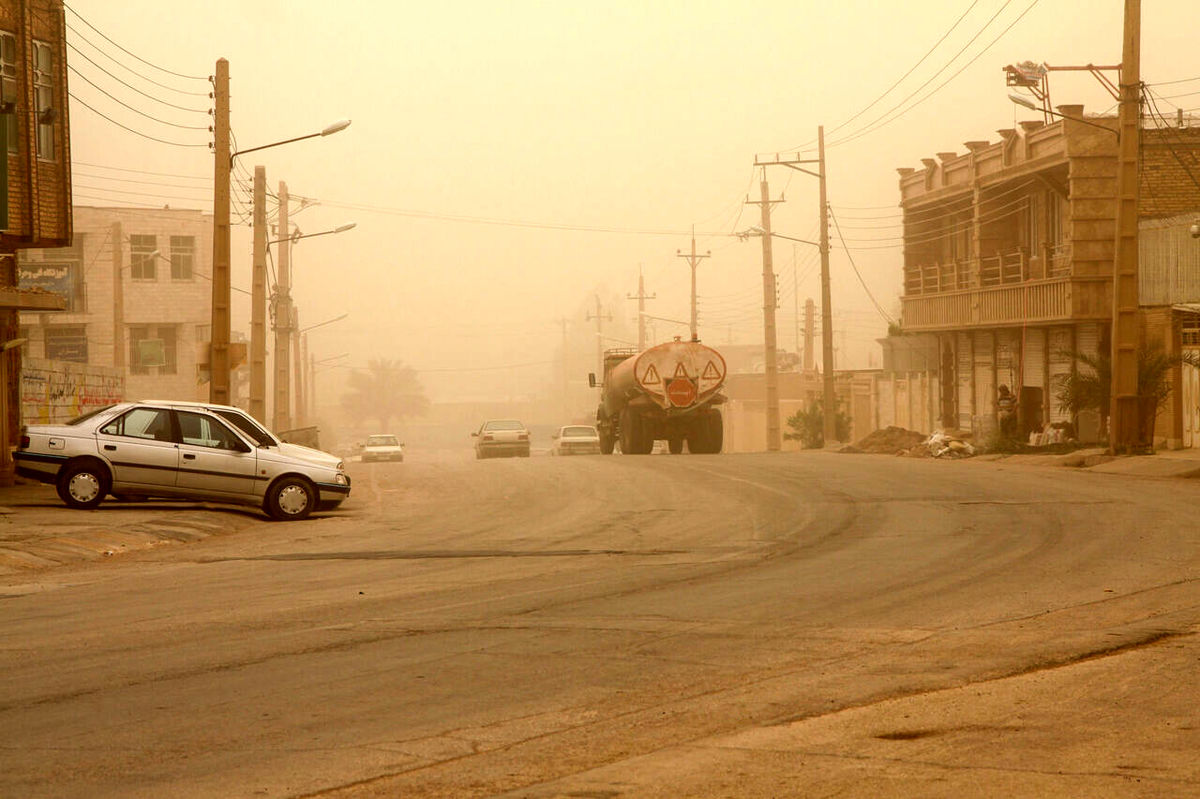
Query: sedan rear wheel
[83, 485]
[290, 499]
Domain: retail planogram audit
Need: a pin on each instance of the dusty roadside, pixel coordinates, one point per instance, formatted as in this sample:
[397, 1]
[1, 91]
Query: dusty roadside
[38, 532]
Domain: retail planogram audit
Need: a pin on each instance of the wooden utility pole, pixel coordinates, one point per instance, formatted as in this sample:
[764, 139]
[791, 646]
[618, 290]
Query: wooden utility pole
[641, 297]
[1126, 434]
[600, 318]
[118, 266]
[283, 318]
[693, 261]
[830, 401]
[218, 359]
[258, 301]
[774, 437]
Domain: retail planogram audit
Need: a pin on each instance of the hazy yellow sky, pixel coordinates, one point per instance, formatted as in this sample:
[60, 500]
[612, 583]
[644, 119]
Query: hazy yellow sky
[591, 137]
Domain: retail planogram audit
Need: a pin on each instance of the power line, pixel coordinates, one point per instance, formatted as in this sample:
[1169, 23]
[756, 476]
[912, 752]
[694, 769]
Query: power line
[131, 130]
[131, 108]
[131, 86]
[858, 274]
[141, 171]
[129, 53]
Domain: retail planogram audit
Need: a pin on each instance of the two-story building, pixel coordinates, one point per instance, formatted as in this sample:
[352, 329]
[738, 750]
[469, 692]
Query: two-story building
[35, 174]
[137, 286]
[1008, 252]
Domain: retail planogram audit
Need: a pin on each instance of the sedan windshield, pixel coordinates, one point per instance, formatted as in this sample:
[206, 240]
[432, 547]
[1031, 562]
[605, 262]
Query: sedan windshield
[382, 441]
[247, 426]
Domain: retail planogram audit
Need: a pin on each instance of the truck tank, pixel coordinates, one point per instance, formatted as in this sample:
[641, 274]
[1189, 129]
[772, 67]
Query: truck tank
[670, 391]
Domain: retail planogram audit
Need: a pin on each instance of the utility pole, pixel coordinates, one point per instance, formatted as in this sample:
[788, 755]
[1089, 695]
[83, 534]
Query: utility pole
[1126, 434]
[809, 335]
[600, 318]
[283, 318]
[565, 388]
[641, 298]
[218, 358]
[311, 392]
[693, 261]
[774, 438]
[298, 369]
[258, 301]
[830, 401]
[118, 265]
[796, 298]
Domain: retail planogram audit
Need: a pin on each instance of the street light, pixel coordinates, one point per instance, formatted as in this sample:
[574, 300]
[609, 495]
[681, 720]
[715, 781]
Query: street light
[828, 388]
[298, 235]
[1025, 102]
[219, 358]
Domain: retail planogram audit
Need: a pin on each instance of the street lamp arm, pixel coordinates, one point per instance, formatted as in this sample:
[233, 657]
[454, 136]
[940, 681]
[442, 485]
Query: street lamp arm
[755, 230]
[341, 124]
[298, 236]
[1025, 102]
[326, 322]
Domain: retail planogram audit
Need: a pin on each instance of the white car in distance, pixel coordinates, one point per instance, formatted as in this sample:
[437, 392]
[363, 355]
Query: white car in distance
[382, 447]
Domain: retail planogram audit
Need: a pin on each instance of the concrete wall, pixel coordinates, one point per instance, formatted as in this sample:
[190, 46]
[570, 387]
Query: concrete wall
[56, 391]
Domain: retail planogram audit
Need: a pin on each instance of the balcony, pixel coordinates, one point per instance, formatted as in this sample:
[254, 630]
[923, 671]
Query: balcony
[1034, 301]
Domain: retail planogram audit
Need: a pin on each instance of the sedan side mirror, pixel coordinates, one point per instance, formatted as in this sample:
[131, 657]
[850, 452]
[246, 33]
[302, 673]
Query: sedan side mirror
[591, 379]
[475, 435]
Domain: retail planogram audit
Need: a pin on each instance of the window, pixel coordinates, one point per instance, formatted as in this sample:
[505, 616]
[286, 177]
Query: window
[204, 431]
[183, 249]
[43, 99]
[142, 258]
[153, 347]
[141, 423]
[8, 86]
[67, 343]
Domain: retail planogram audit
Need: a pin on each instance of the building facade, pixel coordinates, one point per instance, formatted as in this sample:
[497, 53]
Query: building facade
[137, 289]
[35, 170]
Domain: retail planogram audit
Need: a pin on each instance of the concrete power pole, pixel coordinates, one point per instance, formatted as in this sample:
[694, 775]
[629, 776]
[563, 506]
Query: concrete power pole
[641, 298]
[774, 438]
[830, 400]
[283, 319]
[298, 367]
[258, 301]
[218, 358]
[118, 265]
[600, 318]
[693, 261]
[809, 335]
[1126, 431]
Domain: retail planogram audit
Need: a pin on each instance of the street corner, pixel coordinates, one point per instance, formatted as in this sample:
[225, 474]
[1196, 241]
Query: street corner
[38, 532]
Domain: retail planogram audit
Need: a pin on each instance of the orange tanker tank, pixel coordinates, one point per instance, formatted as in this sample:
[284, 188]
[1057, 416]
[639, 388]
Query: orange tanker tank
[668, 392]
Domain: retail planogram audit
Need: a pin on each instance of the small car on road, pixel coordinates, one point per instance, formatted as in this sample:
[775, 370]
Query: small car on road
[575, 439]
[382, 447]
[498, 438]
[180, 450]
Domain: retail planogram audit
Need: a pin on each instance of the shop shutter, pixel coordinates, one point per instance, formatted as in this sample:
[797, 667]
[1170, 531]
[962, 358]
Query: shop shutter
[985, 392]
[1059, 352]
[964, 366]
[1035, 357]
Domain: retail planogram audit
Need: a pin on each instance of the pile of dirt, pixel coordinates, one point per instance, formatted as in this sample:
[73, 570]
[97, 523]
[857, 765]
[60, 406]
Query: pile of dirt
[890, 440]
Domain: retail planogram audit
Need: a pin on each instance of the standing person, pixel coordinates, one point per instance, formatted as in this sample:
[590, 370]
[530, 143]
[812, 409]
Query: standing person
[1006, 411]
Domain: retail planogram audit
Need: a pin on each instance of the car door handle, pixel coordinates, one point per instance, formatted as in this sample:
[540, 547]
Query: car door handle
[189, 456]
[111, 447]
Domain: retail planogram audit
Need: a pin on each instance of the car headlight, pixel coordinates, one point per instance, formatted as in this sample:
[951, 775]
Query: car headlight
[340, 465]
[340, 479]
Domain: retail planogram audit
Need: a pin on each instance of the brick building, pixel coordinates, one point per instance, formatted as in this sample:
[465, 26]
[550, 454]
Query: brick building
[35, 200]
[136, 283]
[1008, 260]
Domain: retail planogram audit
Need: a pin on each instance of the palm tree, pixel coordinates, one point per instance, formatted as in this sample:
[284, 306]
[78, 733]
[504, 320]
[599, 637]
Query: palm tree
[385, 390]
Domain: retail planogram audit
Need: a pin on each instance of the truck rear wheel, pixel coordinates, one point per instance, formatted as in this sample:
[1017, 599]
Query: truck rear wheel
[636, 436]
[716, 432]
[608, 442]
[675, 445]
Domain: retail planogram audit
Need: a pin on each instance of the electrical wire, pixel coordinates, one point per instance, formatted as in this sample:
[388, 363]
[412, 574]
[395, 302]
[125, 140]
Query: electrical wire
[139, 171]
[858, 274]
[131, 108]
[130, 86]
[127, 52]
[132, 130]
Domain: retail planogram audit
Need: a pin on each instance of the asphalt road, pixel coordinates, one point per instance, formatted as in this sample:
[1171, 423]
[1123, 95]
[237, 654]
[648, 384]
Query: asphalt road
[733, 625]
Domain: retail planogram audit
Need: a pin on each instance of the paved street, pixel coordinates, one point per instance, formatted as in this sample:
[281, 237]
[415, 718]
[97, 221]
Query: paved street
[737, 625]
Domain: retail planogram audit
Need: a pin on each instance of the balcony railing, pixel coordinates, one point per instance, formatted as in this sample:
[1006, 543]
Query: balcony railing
[1031, 301]
[1000, 269]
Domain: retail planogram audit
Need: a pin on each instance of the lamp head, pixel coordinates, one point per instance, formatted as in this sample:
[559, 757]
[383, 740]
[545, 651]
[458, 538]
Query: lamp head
[1023, 101]
[341, 124]
[345, 227]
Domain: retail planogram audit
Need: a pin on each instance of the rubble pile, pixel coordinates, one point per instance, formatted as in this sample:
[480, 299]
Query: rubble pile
[890, 440]
[941, 444]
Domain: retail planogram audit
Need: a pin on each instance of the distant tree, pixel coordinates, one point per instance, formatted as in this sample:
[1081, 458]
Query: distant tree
[384, 391]
[808, 425]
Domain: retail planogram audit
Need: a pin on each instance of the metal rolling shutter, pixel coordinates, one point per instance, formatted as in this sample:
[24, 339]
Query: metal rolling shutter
[985, 392]
[1035, 357]
[963, 367]
[1059, 352]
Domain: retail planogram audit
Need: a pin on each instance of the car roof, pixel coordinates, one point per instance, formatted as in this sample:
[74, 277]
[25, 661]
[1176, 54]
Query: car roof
[212, 406]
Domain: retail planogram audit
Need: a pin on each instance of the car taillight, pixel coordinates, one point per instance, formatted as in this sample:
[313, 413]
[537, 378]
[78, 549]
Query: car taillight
[487, 436]
[522, 437]
[24, 442]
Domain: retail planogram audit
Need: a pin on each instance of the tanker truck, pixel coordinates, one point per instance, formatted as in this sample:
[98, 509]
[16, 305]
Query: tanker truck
[670, 391]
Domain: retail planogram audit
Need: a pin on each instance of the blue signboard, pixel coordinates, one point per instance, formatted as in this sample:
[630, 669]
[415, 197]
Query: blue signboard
[56, 278]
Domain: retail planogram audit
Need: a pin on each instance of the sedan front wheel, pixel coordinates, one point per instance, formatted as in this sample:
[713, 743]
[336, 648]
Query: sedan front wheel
[290, 499]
